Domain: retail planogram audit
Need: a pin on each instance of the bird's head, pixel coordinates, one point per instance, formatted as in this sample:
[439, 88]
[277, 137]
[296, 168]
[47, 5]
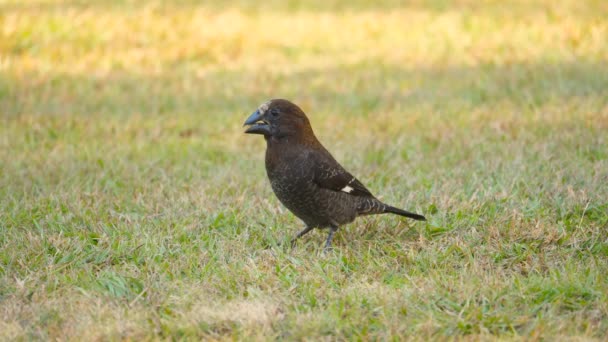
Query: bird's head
[279, 118]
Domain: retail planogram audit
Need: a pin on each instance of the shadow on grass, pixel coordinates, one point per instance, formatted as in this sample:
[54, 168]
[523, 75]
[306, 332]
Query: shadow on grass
[353, 90]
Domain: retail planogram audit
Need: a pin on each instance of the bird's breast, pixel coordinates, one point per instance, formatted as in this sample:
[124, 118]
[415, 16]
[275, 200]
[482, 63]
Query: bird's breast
[291, 178]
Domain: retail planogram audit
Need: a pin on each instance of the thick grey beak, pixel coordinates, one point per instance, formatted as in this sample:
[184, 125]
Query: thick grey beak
[256, 124]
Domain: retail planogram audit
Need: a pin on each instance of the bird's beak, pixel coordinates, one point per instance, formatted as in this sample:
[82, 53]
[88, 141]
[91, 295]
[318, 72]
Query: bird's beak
[256, 124]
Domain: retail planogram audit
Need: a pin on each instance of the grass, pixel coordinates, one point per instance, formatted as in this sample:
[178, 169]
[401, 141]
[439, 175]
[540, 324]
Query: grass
[133, 207]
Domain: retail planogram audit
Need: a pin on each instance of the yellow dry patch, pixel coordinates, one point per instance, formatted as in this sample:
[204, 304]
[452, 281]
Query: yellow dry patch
[247, 313]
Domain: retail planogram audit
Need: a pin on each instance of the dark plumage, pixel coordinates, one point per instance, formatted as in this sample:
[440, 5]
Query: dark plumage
[304, 175]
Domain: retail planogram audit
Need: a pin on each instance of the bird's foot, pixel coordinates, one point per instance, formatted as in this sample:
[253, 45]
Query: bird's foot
[330, 236]
[328, 249]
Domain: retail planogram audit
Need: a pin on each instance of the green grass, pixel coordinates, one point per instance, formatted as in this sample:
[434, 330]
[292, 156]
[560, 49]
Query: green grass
[133, 207]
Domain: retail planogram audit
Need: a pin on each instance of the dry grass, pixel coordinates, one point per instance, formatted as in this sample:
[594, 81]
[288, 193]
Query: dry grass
[133, 207]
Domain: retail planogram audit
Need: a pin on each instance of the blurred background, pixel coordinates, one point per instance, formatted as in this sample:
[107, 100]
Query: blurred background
[123, 165]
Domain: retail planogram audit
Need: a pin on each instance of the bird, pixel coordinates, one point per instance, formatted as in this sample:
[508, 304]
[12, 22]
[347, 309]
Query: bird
[305, 177]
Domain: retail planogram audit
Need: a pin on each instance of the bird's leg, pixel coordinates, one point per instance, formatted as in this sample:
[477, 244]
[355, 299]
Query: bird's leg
[332, 231]
[300, 234]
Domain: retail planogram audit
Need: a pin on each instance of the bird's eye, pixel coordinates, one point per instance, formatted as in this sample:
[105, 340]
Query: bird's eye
[274, 113]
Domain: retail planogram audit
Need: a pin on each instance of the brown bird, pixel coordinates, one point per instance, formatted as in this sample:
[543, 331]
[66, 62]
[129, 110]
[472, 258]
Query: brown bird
[304, 175]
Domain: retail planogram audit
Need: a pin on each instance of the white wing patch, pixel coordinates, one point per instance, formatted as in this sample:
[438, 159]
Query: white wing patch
[347, 189]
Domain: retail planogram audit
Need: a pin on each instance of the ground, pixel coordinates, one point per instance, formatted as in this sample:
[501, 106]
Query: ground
[132, 206]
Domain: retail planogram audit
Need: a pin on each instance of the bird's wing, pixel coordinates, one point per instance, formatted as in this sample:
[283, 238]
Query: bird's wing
[330, 175]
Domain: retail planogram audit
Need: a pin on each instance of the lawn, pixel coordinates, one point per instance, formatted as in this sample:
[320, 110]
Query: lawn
[132, 206]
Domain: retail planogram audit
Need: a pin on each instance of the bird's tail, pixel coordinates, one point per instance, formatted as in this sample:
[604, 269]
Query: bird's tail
[393, 210]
